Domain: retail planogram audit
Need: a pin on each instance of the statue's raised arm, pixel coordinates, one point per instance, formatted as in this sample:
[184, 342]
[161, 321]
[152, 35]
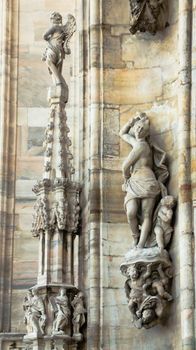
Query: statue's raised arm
[58, 37]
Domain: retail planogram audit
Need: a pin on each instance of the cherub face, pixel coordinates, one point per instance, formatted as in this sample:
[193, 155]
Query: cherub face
[168, 201]
[133, 272]
[147, 316]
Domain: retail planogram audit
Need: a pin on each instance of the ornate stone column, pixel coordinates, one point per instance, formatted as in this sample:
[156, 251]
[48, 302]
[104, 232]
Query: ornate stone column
[54, 310]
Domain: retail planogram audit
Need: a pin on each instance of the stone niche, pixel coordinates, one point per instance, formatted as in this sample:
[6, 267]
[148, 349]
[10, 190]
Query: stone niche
[149, 209]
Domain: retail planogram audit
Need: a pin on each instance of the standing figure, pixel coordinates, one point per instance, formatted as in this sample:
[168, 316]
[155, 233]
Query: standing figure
[27, 311]
[58, 37]
[148, 15]
[78, 314]
[140, 182]
[62, 312]
[35, 316]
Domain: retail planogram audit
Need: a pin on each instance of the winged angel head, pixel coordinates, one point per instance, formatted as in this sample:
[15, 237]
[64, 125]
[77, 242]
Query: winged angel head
[58, 37]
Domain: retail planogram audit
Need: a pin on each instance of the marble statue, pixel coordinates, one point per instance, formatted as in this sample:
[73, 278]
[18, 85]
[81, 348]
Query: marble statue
[148, 15]
[61, 311]
[58, 37]
[149, 210]
[78, 314]
[35, 316]
[140, 181]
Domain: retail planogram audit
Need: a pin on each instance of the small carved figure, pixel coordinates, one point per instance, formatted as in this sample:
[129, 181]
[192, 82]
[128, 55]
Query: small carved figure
[148, 15]
[150, 310]
[35, 316]
[26, 308]
[135, 287]
[144, 173]
[62, 312]
[163, 228]
[58, 37]
[59, 214]
[158, 283]
[40, 217]
[79, 313]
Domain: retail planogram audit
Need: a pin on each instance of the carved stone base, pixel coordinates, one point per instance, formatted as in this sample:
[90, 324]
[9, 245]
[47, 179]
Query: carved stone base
[78, 337]
[148, 273]
[51, 312]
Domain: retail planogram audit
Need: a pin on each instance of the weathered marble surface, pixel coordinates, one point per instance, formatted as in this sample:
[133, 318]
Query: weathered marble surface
[122, 53]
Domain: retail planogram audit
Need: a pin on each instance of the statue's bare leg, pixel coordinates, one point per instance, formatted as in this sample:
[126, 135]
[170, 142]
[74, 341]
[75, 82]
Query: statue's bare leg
[147, 209]
[132, 208]
[55, 72]
[159, 237]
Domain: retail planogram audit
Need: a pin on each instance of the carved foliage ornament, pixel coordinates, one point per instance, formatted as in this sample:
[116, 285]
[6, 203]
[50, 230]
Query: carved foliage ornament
[149, 210]
[148, 15]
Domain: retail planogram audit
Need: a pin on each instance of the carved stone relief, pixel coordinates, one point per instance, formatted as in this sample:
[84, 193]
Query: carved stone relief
[53, 311]
[148, 15]
[149, 210]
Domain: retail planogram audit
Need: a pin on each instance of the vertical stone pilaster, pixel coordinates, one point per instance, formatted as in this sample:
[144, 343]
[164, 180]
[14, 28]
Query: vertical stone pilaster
[185, 190]
[8, 116]
[96, 121]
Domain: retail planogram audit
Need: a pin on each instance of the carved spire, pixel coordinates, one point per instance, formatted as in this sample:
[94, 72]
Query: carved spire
[56, 211]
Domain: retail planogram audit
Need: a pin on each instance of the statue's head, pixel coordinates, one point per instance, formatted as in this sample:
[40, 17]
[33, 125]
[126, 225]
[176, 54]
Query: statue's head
[80, 295]
[148, 315]
[133, 272]
[168, 201]
[70, 18]
[62, 291]
[34, 291]
[56, 18]
[140, 126]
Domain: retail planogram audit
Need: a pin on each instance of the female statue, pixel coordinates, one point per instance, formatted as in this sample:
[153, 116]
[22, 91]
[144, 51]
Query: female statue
[62, 312]
[144, 172]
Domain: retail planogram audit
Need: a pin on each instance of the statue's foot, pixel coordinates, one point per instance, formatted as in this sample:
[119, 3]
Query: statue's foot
[58, 332]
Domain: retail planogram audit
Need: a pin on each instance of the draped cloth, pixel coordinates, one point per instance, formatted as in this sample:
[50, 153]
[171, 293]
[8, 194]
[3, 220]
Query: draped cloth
[145, 182]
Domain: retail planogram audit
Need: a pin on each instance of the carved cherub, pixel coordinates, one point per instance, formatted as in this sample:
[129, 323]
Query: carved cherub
[163, 228]
[134, 287]
[58, 37]
[158, 283]
[150, 310]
